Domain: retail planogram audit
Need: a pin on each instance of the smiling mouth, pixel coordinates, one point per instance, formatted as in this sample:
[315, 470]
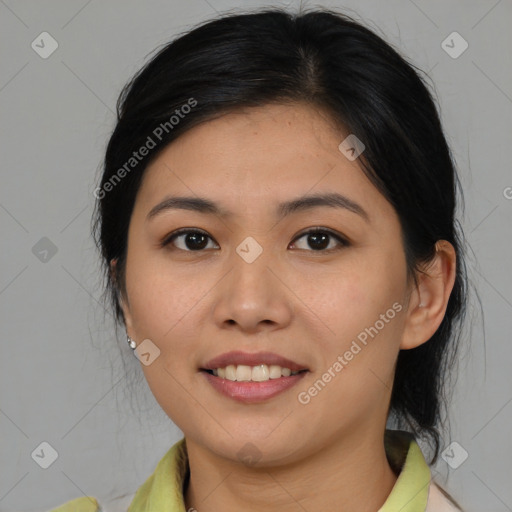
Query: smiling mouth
[257, 373]
[253, 384]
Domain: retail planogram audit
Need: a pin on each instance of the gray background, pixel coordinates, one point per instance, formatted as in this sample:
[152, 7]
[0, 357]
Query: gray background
[63, 379]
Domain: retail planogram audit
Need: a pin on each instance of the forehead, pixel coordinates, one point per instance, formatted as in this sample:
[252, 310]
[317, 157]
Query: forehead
[284, 131]
[264, 154]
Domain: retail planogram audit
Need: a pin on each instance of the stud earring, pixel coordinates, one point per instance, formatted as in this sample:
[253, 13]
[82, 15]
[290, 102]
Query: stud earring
[132, 343]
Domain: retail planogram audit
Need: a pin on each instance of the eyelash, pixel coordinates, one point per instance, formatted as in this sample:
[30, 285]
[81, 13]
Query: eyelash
[341, 240]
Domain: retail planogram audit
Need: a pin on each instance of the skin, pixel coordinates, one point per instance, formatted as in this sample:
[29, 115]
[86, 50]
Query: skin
[304, 304]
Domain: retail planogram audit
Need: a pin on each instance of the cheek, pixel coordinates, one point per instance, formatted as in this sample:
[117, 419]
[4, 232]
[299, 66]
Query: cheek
[355, 297]
[163, 307]
[362, 306]
[161, 296]
[166, 305]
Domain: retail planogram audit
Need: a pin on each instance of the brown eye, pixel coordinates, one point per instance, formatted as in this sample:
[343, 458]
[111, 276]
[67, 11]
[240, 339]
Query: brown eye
[188, 240]
[321, 239]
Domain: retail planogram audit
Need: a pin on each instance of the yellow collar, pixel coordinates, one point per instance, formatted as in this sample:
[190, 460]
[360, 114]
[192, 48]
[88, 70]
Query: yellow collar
[409, 494]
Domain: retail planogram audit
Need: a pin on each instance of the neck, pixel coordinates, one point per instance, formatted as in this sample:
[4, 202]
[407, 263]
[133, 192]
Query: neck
[351, 474]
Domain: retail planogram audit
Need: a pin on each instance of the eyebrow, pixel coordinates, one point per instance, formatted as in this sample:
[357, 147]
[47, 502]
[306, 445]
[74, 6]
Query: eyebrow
[203, 205]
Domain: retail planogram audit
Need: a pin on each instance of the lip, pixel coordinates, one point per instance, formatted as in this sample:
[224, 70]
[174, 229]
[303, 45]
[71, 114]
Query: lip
[246, 358]
[252, 392]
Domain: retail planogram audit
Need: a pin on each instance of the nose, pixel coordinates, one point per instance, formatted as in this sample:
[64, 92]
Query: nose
[253, 296]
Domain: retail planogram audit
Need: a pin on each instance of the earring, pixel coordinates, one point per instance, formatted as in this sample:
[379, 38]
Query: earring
[132, 343]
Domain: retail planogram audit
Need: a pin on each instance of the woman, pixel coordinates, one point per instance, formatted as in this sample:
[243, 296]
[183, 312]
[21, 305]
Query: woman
[276, 218]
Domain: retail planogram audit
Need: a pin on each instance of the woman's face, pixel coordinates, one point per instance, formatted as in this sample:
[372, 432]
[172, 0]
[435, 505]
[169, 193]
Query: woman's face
[255, 282]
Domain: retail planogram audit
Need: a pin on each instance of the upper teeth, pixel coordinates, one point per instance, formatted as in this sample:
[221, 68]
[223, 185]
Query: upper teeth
[257, 373]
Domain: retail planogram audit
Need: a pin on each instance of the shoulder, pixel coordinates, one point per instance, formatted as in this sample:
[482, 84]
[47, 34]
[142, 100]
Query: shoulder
[440, 501]
[90, 504]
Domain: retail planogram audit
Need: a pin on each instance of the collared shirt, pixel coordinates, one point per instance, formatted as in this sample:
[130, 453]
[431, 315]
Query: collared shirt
[414, 490]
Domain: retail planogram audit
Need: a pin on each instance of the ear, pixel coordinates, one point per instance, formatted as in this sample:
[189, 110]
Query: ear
[124, 305]
[429, 299]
